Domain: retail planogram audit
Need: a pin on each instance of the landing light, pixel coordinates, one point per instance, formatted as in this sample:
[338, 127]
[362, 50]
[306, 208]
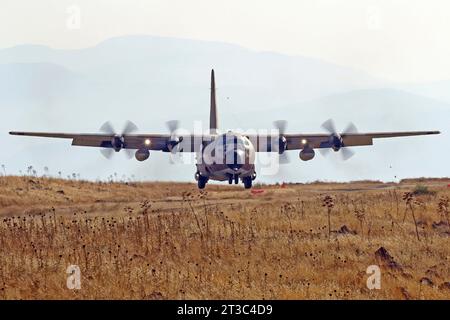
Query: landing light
[147, 142]
[304, 141]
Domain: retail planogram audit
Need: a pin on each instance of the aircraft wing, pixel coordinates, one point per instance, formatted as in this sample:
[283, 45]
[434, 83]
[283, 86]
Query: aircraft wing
[130, 141]
[315, 141]
[192, 143]
[321, 140]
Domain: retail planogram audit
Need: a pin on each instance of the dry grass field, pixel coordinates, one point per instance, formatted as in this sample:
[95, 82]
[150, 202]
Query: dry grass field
[170, 241]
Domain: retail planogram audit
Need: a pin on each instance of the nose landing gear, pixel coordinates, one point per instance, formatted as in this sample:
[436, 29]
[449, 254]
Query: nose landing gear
[232, 178]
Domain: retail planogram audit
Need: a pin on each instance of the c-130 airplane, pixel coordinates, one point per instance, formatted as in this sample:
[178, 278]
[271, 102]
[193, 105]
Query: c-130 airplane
[226, 156]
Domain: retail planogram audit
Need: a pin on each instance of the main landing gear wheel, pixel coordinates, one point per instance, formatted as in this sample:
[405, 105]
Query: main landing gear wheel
[247, 182]
[202, 182]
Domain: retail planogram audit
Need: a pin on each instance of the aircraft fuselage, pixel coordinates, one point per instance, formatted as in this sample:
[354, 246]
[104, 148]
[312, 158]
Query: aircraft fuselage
[230, 156]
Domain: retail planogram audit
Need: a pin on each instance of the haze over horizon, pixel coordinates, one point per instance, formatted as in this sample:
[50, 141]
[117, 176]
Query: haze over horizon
[151, 80]
[400, 41]
[353, 62]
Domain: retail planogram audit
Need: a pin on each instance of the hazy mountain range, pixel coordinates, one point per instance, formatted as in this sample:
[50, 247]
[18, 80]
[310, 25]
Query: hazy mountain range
[150, 80]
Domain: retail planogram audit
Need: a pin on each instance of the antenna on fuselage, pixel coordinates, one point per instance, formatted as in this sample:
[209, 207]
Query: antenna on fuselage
[213, 125]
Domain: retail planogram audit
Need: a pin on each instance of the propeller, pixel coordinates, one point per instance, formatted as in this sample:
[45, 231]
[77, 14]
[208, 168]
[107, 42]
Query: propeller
[172, 125]
[173, 143]
[118, 140]
[335, 141]
[281, 126]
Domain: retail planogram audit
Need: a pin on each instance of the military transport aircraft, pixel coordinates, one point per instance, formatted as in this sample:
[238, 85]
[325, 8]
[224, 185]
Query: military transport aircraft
[227, 156]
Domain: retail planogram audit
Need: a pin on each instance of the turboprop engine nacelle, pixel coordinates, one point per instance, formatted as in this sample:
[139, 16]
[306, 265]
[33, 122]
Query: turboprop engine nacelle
[307, 154]
[142, 154]
[117, 143]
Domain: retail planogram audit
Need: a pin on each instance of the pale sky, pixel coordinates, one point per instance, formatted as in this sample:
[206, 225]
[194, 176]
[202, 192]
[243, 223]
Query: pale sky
[397, 40]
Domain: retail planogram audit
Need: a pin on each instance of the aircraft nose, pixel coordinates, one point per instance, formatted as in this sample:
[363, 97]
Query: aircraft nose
[235, 159]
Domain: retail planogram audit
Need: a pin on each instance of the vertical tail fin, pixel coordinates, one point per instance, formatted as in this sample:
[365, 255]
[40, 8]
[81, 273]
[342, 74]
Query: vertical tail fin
[213, 125]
